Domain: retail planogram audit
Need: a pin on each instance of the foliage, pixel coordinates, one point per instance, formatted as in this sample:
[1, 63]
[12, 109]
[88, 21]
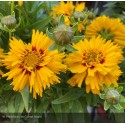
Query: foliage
[59, 102]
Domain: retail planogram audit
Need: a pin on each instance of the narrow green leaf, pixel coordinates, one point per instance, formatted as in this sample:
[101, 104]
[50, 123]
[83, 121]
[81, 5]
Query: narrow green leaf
[78, 114]
[96, 11]
[18, 104]
[25, 97]
[49, 34]
[61, 20]
[11, 108]
[58, 112]
[73, 94]
[120, 89]
[42, 107]
[75, 26]
[77, 38]
[77, 107]
[105, 87]
[70, 48]
[112, 85]
[106, 105]
[40, 23]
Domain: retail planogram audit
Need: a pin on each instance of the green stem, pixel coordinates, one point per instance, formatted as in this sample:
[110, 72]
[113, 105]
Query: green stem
[10, 35]
[12, 6]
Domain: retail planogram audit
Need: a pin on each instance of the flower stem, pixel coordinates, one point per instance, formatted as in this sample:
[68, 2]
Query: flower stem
[10, 35]
[12, 6]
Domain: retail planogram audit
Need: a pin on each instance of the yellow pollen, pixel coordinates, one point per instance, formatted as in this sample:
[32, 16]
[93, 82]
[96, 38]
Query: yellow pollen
[31, 60]
[91, 58]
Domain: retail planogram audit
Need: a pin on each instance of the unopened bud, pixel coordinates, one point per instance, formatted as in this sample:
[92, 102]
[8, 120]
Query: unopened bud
[112, 97]
[9, 21]
[63, 34]
[78, 15]
[90, 15]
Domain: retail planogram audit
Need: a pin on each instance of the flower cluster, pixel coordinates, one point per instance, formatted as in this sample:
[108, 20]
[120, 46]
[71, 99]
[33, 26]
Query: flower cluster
[92, 61]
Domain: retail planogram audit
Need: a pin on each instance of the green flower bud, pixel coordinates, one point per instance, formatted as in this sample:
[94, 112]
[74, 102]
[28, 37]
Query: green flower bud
[78, 15]
[63, 34]
[112, 97]
[90, 15]
[9, 21]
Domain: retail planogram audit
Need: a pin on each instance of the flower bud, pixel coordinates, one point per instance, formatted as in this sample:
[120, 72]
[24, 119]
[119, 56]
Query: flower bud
[112, 97]
[9, 21]
[90, 15]
[63, 34]
[78, 15]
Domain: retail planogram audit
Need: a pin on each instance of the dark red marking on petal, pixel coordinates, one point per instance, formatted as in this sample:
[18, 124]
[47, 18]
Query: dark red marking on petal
[27, 73]
[102, 61]
[84, 64]
[41, 51]
[38, 67]
[20, 66]
[92, 67]
[33, 48]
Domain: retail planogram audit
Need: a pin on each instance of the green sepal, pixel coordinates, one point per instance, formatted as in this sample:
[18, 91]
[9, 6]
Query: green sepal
[106, 105]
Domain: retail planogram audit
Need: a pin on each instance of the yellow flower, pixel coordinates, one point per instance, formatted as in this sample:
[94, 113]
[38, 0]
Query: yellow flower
[33, 64]
[20, 3]
[63, 8]
[95, 62]
[80, 27]
[80, 7]
[108, 28]
[1, 58]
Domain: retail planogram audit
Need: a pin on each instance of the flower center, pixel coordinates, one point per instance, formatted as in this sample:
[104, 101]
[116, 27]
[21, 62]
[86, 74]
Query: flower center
[105, 33]
[92, 58]
[31, 60]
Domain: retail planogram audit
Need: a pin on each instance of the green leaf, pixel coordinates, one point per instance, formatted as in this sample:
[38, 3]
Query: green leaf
[77, 107]
[25, 97]
[122, 101]
[120, 89]
[105, 87]
[19, 105]
[55, 46]
[70, 48]
[118, 106]
[112, 85]
[73, 94]
[61, 19]
[75, 27]
[58, 112]
[106, 105]
[11, 108]
[78, 114]
[40, 24]
[42, 107]
[96, 11]
[77, 38]
[102, 96]
[49, 34]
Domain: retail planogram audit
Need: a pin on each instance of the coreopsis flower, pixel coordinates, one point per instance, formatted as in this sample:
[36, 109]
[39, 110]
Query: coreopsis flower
[95, 62]
[20, 3]
[63, 8]
[33, 64]
[80, 7]
[109, 28]
[1, 58]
